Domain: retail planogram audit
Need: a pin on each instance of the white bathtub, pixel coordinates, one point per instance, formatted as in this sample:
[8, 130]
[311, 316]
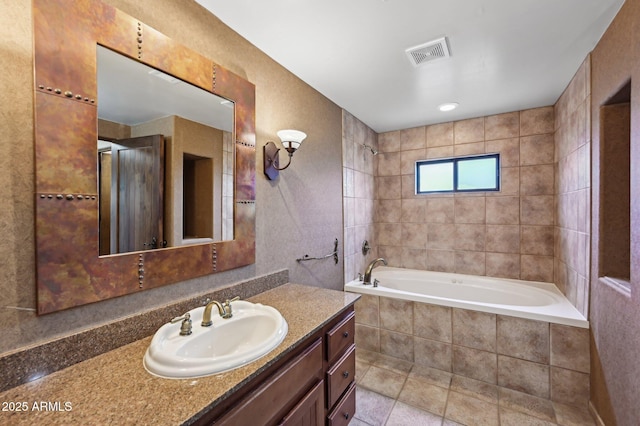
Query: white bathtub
[524, 299]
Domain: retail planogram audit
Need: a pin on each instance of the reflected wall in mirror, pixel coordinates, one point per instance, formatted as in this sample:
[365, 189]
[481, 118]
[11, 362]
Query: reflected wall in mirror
[69, 242]
[165, 158]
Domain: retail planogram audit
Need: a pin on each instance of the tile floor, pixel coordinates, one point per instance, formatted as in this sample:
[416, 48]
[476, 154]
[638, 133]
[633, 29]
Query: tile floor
[394, 392]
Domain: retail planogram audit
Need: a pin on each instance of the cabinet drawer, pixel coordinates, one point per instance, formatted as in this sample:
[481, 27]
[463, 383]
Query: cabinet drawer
[340, 336]
[341, 375]
[279, 394]
[345, 410]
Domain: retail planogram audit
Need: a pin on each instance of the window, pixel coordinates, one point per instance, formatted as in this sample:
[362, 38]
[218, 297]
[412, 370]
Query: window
[459, 174]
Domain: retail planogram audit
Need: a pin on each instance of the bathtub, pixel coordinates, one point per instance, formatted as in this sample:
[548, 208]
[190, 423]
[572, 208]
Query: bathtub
[523, 299]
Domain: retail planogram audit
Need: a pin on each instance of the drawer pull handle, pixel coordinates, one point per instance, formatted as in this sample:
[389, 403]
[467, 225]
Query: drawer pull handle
[346, 416]
[345, 334]
[345, 374]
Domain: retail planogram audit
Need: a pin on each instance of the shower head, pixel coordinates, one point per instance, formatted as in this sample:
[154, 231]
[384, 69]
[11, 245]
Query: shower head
[370, 148]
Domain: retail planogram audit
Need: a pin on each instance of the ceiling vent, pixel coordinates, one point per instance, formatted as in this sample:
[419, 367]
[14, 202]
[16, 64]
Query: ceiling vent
[427, 52]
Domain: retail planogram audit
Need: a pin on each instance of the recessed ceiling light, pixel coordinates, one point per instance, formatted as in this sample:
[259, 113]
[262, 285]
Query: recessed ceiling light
[450, 106]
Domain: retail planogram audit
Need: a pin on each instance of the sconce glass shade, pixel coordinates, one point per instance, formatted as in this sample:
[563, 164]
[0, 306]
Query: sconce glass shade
[291, 139]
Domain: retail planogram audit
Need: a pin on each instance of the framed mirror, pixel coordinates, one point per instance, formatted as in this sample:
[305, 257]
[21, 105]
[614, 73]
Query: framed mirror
[201, 163]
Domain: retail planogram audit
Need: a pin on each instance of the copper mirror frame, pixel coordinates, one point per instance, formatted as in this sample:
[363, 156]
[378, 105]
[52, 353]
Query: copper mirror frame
[69, 271]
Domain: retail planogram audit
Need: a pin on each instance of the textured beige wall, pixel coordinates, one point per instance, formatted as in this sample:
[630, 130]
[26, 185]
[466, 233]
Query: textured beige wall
[615, 314]
[109, 129]
[300, 213]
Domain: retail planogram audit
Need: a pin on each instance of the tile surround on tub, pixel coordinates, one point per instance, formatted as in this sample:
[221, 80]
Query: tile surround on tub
[397, 345]
[572, 155]
[431, 321]
[503, 210]
[503, 265]
[502, 126]
[434, 354]
[474, 329]
[523, 338]
[467, 131]
[475, 364]
[524, 376]
[549, 362]
[526, 145]
[570, 348]
[367, 182]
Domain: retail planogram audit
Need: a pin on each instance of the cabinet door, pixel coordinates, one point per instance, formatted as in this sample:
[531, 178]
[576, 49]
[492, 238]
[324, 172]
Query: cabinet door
[273, 399]
[309, 411]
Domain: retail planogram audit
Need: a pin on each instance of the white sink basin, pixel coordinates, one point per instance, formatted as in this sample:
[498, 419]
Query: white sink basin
[252, 332]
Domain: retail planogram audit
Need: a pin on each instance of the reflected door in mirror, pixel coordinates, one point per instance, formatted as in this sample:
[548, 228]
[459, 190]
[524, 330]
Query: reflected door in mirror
[135, 218]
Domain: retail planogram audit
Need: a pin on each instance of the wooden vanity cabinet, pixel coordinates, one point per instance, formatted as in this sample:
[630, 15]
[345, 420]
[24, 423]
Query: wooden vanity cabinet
[272, 401]
[312, 386]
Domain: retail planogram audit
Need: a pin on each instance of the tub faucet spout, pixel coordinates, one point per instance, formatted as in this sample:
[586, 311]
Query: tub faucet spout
[367, 273]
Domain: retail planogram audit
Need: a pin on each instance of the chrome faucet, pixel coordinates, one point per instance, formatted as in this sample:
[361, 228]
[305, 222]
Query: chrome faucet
[224, 309]
[367, 272]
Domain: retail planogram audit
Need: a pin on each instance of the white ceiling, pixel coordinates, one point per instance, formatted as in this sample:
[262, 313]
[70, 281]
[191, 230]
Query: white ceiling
[506, 55]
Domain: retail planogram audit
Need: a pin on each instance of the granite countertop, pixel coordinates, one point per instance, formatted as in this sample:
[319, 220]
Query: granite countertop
[114, 388]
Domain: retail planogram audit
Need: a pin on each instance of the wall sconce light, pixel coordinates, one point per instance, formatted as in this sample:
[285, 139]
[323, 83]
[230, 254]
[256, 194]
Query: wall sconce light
[291, 140]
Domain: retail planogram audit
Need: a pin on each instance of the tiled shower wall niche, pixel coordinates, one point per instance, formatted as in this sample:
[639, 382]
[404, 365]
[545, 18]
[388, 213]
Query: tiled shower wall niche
[545, 360]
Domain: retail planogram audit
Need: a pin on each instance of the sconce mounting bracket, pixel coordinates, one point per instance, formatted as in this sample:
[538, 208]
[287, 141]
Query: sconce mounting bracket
[271, 160]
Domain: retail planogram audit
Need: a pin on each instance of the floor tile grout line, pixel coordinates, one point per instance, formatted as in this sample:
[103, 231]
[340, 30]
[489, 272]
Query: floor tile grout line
[420, 408]
[406, 378]
[446, 403]
[499, 401]
[395, 402]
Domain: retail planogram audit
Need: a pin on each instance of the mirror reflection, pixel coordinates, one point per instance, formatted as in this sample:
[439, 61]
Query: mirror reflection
[165, 159]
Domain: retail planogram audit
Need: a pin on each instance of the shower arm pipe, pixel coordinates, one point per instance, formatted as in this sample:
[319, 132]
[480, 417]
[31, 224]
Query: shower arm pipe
[333, 254]
[370, 148]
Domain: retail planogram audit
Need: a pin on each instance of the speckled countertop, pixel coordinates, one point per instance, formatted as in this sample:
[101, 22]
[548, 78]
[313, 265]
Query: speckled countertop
[114, 388]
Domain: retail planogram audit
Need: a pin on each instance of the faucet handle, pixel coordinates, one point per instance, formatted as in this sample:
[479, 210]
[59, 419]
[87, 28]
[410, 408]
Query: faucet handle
[235, 299]
[227, 307]
[185, 328]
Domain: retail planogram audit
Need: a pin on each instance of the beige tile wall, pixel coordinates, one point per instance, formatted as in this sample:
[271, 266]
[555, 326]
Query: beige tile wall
[358, 170]
[546, 360]
[573, 189]
[506, 234]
